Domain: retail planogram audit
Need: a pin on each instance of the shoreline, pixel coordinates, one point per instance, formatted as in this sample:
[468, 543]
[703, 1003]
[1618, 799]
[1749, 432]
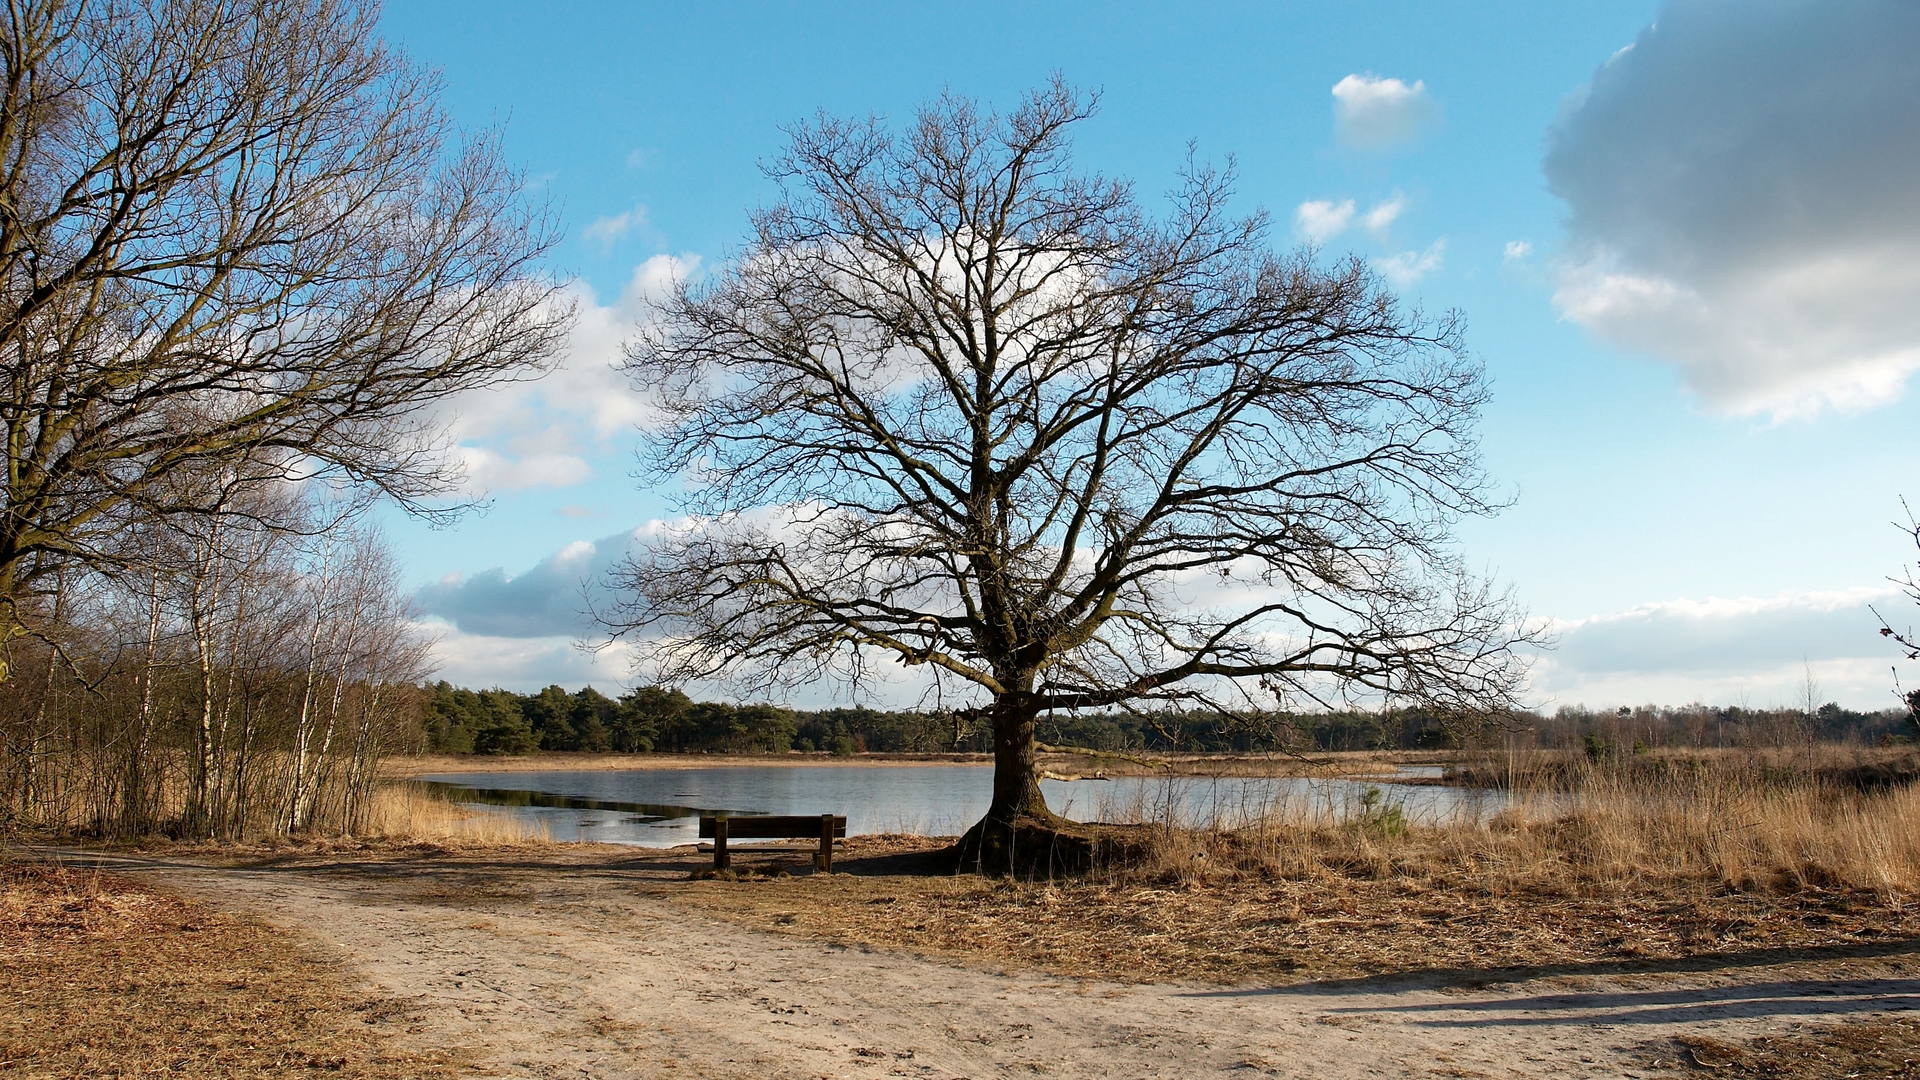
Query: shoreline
[1356, 764]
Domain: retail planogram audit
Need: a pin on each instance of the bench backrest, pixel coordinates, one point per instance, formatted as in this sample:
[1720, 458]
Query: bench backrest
[769, 827]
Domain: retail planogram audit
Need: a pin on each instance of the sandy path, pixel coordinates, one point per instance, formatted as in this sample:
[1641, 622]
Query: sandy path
[592, 973]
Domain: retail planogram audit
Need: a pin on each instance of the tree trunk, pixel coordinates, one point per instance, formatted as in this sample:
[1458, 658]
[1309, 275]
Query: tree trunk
[1019, 834]
[1016, 772]
[137, 812]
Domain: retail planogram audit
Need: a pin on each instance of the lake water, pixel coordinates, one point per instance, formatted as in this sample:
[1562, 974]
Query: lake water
[661, 807]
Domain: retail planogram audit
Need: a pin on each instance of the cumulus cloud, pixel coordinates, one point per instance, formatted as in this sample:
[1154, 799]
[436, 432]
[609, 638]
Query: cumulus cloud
[523, 631]
[1383, 212]
[488, 470]
[523, 664]
[1322, 220]
[1742, 205]
[539, 433]
[549, 600]
[1518, 249]
[1373, 113]
[1724, 651]
[1408, 267]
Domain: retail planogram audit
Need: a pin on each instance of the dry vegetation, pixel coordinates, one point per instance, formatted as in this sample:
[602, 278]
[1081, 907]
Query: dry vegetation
[1326, 926]
[1732, 857]
[1880, 1047]
[408, 812]
[108, 978]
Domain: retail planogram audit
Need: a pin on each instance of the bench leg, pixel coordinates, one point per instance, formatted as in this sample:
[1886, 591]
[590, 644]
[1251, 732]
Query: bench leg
[720, 860]
[825, 860]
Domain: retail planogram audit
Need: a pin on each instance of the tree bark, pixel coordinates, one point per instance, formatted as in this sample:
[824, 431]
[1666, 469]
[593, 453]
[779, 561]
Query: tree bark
[1019, 834]
[1016, 772]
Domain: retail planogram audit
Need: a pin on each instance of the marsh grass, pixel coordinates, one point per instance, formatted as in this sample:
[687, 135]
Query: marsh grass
[405, 811]
[1745, 821]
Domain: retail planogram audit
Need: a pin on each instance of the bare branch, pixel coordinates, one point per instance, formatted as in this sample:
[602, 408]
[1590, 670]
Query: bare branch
[957, 405]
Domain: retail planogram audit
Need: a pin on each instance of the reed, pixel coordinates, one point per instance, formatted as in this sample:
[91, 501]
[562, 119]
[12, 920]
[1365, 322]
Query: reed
[1724, 821]
[409, 812]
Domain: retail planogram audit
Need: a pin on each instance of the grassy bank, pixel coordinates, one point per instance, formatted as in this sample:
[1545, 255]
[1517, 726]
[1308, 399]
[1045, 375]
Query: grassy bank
[1732, 855]
[1822, 765]
[1722, 824]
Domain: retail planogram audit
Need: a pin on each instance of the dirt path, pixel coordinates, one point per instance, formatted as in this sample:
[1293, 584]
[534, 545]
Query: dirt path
[594, 970]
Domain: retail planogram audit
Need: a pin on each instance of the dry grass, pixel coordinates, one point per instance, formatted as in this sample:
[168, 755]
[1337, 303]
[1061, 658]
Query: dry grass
[107, 977]
[1877, 1047]
[1838, 765]
[1630, 869]
[408, 812]
[1725, 821]
[1324, 926]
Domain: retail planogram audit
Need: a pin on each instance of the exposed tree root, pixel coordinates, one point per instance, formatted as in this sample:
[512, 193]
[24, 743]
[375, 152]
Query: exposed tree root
[1044, 845]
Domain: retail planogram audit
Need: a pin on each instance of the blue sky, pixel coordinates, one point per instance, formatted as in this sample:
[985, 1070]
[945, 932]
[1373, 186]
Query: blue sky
[1687, 266]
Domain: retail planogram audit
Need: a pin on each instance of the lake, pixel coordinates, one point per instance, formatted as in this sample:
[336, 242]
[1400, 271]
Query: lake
[661, 807]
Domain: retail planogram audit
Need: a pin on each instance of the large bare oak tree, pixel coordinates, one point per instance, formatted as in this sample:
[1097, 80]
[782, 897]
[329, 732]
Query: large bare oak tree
[240, 243]
[959, 406]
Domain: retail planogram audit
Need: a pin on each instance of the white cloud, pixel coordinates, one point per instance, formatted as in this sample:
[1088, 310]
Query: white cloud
[1408, 267]
[1750, 650]
[606, 231]
[549, 600]
[488, 470]
[1375, 113]
[1518, 250]
[1742, 205]
[1323, 220]
[525, 665]
[1383, 212]
[538, 433]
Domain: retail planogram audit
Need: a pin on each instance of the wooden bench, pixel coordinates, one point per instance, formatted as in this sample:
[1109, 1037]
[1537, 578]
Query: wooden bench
[719, 827]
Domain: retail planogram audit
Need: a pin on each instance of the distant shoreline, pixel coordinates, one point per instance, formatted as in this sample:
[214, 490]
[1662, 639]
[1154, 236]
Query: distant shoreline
[1345, 763]
[578, 761]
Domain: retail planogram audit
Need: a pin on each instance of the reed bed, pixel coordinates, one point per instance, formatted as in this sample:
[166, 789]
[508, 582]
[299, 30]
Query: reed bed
[1738, 821]
[405, 811]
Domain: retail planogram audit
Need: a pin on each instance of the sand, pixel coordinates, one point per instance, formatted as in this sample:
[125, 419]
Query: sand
[588, 966]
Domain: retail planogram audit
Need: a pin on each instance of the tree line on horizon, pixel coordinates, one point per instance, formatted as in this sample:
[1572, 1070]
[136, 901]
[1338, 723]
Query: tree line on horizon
[652, 719]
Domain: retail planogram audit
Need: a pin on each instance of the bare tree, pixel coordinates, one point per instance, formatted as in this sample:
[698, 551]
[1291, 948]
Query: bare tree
[236, 231]
[1907, 640]
[959, 406]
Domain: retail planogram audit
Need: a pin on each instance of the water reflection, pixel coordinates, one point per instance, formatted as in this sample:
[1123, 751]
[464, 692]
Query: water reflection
[661, 807]
[647, 813]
